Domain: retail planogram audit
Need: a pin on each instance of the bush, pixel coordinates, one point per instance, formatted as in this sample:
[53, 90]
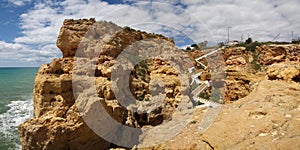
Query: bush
[251, 47]
[256, 66]
[215, 95]
[249, 40]
[194, 45]
[294, 41]
[204, 95]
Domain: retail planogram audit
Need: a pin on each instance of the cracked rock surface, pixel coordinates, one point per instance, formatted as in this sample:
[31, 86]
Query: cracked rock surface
[262, 109]
[268, 118]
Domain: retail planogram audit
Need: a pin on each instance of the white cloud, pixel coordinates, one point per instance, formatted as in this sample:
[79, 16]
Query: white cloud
[260, 19]
[22, 55]
[198, 20]
[19, 2]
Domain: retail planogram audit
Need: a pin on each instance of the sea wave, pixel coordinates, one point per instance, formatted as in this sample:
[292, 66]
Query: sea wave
[18, 112]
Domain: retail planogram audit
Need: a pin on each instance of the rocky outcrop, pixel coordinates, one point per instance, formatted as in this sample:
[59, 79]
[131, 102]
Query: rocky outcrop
[240, 82]
[71, 34]
[57, 123]
[262, 104]
[237, 56]
[240, 77]
[268, 118]
[284, 71]
[245, 68]
[269, 54]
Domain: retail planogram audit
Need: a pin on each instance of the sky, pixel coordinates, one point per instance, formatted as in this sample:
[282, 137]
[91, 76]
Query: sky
[29, 28]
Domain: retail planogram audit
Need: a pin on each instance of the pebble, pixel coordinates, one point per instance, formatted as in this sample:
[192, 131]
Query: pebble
[288, 116]
[263, 134]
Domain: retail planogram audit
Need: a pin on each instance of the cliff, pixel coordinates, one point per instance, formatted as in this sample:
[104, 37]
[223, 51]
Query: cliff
[262, 103]
[57, 123]
[246, 68]
[261, 110]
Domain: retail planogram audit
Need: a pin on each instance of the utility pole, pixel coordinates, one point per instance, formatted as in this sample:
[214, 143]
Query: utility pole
[228, 34]
[292, 35]
[242, 38]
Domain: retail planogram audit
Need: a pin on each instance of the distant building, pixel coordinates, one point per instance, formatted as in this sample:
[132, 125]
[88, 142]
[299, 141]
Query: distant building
[232, 43]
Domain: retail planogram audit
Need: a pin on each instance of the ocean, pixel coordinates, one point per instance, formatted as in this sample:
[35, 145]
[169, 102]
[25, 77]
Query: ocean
[16, 103]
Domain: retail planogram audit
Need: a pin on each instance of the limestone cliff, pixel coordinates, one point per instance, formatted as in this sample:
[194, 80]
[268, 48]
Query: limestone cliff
[245, 68]
[261, 110]
[268, 118]
[57, 123]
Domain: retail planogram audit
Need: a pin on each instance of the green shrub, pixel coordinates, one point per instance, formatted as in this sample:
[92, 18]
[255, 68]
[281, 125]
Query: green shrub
[215, 95]
[204, 95]
[251, 47]
[256, 66]
[249, 41]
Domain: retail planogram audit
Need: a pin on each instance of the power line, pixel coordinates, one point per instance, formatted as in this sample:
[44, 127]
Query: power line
[276, 37]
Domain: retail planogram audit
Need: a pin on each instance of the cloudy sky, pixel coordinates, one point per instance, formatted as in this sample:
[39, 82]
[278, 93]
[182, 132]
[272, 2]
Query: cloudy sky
[29, 28]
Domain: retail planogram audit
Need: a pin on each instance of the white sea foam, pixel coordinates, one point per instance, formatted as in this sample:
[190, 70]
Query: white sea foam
[18, 112]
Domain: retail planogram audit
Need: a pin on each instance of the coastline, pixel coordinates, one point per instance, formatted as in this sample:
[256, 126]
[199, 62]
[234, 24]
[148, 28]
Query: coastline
[16, 102]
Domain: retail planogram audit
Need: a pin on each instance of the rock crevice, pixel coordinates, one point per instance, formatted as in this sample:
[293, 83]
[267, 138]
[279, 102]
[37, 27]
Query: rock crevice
[261, 99]
[57, 123]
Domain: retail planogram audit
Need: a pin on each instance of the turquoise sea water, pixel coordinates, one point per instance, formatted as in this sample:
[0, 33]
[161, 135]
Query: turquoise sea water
[16, 104]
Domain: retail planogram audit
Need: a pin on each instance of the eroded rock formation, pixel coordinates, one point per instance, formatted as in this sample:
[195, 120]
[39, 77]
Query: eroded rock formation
[263, 104]
[268, 118]
[246, 68]
[57, 123]
[266, 114]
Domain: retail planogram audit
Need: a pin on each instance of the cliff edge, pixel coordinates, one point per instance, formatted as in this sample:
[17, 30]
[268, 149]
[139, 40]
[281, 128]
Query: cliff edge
[261, 107]
[57, 123]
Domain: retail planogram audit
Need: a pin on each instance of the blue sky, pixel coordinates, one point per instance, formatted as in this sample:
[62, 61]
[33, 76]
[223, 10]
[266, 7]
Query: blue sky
[29, 28]
[9, 15]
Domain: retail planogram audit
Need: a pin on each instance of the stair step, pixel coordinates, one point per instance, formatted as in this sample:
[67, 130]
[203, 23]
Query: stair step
[199, 89]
